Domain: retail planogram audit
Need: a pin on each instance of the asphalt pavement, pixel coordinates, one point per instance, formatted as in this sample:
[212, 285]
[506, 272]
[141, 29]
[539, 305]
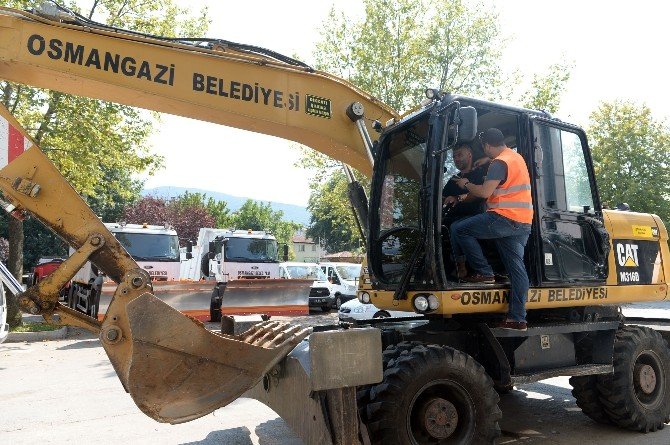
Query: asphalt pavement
[66, 391]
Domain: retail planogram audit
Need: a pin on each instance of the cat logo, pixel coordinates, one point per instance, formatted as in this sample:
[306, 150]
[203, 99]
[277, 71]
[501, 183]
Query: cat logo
[627, 255]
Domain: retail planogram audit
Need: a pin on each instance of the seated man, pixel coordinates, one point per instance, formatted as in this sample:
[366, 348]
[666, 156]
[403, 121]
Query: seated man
[457, 202]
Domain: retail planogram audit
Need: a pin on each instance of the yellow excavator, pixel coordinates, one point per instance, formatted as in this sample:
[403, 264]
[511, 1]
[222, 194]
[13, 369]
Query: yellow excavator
[427, 380]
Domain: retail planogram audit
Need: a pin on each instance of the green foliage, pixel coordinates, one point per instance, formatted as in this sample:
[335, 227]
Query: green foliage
[217, 209]
[547, 88]
[260, 216]
[631, 155]
[332, 220]
[403, 46]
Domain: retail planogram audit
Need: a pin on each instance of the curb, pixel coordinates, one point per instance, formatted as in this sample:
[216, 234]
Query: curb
[18, 337]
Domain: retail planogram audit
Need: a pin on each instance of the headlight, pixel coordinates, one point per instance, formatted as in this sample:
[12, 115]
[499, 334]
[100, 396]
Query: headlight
[421, 304]
[364, 298]
[433, 302]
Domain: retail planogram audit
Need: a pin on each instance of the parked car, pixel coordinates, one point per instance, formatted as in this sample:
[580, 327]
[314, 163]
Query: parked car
[321, 294]
[354, 310]
[343, 278]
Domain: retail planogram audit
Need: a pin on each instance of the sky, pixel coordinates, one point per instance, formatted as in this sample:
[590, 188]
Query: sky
[617, 48]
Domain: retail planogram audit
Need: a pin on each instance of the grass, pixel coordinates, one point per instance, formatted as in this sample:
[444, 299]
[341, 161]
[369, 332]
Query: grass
[35, 327]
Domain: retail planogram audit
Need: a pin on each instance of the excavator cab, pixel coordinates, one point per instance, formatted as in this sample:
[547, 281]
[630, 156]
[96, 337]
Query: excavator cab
[568, 242]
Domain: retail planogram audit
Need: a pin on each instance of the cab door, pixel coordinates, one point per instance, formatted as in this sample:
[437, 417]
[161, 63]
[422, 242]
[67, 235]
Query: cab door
[574, 243]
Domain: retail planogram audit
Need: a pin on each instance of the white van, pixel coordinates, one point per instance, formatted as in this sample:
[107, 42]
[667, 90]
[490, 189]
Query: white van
[321, 293]
[343, 278]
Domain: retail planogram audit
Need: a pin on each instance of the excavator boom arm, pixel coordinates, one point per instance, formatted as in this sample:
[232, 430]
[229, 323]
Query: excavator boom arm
[215, 83]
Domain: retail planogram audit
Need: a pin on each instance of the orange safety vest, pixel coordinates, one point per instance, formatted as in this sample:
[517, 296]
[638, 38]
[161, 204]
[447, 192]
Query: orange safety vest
[512, 199]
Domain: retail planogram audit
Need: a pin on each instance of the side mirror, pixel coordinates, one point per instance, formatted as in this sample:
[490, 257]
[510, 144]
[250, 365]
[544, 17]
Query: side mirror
[212, 247]
[189, 255]
[189, 247]
[466, 119]
[285, 252]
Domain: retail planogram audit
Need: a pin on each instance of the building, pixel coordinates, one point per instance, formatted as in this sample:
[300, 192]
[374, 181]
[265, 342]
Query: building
[306, 249]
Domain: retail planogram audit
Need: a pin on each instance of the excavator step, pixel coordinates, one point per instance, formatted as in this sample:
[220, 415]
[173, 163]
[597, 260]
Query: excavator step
[556, 328]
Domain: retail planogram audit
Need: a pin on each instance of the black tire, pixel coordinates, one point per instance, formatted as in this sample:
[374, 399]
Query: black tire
[585, 392]
[381, 314]
[391, 353]
[432, 381]
[215, 307]
[338, 302]
[637, 395]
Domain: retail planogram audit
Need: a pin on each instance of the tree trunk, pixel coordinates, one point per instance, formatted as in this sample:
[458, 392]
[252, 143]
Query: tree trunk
[15, 266]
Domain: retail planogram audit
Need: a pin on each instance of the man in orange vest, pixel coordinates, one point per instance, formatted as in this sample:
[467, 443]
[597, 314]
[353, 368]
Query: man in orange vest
[507, 220]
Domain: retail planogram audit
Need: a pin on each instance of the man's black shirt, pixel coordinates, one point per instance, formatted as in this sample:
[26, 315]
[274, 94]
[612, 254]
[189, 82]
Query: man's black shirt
[476, 176]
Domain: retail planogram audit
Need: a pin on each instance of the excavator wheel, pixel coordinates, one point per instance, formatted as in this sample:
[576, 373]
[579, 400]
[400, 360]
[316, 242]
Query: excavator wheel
[391, 353]
[637, 395]
[585, 392]
[433, 394]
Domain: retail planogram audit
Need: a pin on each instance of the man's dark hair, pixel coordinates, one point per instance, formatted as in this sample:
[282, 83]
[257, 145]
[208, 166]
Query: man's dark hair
[462, 146]
[493, 137]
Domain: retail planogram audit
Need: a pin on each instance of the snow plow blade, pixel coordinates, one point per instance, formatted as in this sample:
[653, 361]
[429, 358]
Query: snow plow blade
[267, 296]
[176, 370]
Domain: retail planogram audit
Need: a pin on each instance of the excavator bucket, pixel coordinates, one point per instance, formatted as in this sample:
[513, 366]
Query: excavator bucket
[185, 371]
[268, 296]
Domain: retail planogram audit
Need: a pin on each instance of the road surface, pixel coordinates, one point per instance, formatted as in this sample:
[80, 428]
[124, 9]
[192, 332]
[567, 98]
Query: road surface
[67, 392]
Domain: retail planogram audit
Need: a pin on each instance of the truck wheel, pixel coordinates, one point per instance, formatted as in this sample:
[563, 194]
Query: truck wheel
[637, 395]
[585, 392]
[434, 394]
[215, 307]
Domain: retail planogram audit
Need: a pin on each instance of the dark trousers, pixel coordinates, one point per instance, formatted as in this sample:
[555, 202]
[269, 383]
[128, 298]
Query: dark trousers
[510, 237]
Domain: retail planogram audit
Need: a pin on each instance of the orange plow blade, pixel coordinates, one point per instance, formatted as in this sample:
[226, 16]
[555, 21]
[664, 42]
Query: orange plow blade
[269, 296]
[176, 370]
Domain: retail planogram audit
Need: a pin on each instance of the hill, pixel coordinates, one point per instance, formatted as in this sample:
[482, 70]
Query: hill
[292, 212]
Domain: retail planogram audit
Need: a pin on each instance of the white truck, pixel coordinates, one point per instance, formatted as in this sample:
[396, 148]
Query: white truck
[245, 267]
[155, 248]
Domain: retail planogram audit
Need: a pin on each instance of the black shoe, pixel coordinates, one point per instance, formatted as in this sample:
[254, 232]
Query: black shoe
[478, 278]
[502, 279]
[513, 325]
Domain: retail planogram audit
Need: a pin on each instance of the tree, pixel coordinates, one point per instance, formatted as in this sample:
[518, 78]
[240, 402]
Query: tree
[186, 215]
[402, 47]
[260, 216]
[631, 157]
[217, 209]
[92, 141]
[148, 209]
[332, 220]
[547, 88]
